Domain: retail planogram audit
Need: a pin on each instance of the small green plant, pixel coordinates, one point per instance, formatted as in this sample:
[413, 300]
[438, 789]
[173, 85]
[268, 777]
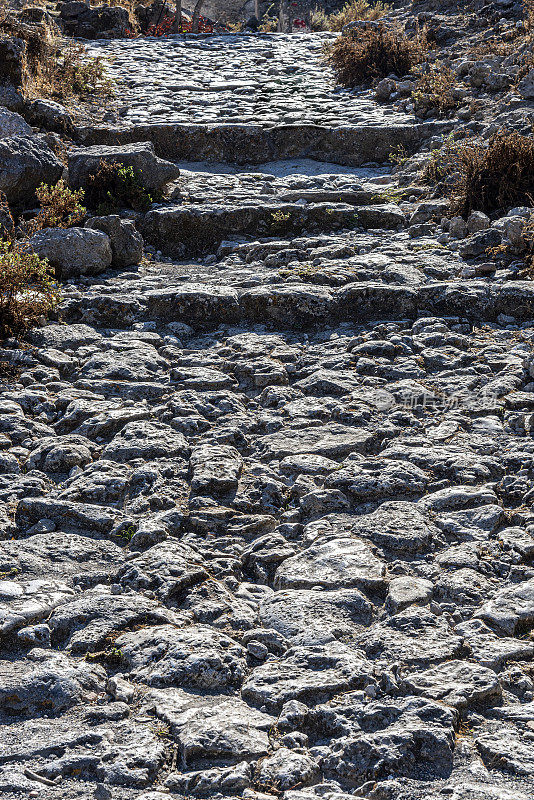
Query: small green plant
[279, 218]
[60, 207]
[398, 156]
[115, 186]
[442, 159]
[128, 533]
[161, 730]
[375, 53]
[27, 289]
[390, 196]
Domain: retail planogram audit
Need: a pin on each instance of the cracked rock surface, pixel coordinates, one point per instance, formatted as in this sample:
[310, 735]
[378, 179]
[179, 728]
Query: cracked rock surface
[266, 522]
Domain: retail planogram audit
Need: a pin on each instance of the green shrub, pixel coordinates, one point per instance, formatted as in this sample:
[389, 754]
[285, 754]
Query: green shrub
[375, 53]
[27, 289]
[60, 207]
[115, 186]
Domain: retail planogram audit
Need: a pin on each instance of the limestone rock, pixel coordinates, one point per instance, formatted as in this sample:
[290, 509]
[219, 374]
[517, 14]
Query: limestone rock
[126, 242]
[155, 173]
[73, 251]
[25, 163]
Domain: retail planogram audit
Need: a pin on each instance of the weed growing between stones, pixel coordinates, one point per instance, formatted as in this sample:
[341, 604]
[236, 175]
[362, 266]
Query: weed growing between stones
[115, 186]
[375, 53]
[27, 289]
[351, 11]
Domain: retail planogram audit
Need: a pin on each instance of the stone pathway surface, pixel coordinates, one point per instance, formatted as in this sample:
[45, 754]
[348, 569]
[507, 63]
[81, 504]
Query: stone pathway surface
[268, 79]
[266, 501]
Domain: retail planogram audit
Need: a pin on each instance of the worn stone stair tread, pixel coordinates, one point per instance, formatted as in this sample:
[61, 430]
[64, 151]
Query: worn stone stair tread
[256, 144]
[183, 230]
[207, 306]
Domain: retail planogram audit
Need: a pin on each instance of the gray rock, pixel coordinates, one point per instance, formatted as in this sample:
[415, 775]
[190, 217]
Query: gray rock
[25, 602]
[508, 748]
[216, 469]
[61, 455]
[383, 738]
[333, 564]
[480, 243]
[67, 683]
[331, 441]
[406, 591]
[83, 624]
[126, 242]
[287, 769]
[398, 526]
[73, 251]
[12, 124]
[477, 221]
[309, 617]
[309, 674]
[25, 163]
[50, 115]
[457, 683]
[166, 568]
[510, 607]
[196, 657]
[412, 637]
[216, 727]
[526, 85]
[146, 440]
[155, 173]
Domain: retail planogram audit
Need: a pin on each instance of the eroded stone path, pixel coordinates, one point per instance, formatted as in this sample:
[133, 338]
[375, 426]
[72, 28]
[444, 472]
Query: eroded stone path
[266, 500]
[269, 79]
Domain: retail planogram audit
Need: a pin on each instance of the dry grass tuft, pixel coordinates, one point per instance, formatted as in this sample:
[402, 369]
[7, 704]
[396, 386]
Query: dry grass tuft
[351, 11]
[375, 53]
[434, 90]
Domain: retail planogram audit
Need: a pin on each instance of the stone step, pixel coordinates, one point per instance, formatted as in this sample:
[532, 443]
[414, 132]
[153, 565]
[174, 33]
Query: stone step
[254, 144]
[206, 306]
[180, 231]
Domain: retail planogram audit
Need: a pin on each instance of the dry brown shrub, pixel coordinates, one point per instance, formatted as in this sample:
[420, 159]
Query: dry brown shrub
[488, 176]
[375, 53]
[61, 207]
[434, 90]
[71, 73]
